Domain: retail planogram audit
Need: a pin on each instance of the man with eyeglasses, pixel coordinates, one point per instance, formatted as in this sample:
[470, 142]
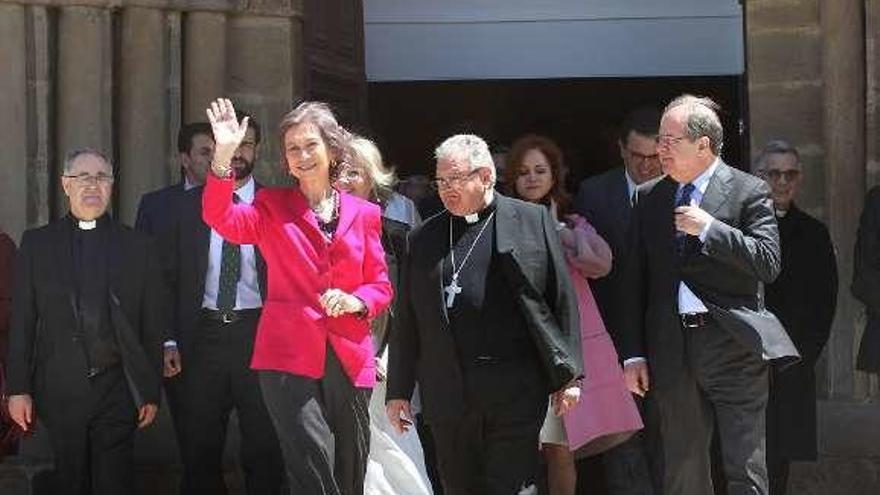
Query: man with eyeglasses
[804, 297]
[606, 201]
[487, 325]
[703, 241]
[85, 344]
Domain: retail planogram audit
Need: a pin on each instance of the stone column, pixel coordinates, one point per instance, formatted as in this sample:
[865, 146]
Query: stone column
[13, 107]
[143, 108]
[85, 85]
[204, 62]
[843, 65]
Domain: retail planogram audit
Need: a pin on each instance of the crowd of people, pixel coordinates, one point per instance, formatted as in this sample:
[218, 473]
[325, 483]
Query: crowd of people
[665, 319]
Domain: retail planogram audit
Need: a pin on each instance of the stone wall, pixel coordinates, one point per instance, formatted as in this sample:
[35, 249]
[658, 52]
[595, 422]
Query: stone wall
[814, 79]
[121, 76]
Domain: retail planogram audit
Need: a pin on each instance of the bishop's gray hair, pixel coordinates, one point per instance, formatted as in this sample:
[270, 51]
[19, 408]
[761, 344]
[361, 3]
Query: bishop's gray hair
[701, 119]
[776, 147]
[72, 155]
[468, 148]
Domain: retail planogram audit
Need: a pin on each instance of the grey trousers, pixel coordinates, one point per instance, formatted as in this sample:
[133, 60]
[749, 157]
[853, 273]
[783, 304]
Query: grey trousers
[323, 426]
[724, 383]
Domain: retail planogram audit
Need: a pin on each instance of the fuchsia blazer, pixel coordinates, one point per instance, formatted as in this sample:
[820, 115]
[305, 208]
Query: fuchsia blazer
[294, 331]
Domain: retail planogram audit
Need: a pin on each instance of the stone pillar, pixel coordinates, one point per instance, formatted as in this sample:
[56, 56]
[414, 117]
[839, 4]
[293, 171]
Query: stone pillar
[843, 65]
[41, 117]
[85, 85]
[13, 107]
[204, 62]
[143, 109]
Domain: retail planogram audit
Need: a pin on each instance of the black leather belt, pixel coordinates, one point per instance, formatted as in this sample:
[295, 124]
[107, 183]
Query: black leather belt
[694, 320]
[228, 316]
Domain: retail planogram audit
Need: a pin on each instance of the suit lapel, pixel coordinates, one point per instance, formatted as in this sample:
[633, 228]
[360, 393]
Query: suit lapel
[717, 192]
[620, 204]
[113, 245]
[505, 218]
[348, 211]
[64, 256]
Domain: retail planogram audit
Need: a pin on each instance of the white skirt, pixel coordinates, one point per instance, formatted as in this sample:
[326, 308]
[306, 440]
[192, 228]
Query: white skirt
[553, 429]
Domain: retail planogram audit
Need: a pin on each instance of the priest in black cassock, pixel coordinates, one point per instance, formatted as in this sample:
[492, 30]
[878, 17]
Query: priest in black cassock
[86, 334]
[488, 327]
[804, 298]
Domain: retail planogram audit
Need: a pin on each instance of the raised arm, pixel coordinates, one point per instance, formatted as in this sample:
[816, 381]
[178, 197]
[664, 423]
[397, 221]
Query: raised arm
[239, 223]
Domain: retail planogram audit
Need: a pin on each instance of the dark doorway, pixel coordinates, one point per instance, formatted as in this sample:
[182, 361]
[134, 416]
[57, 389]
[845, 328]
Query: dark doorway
[409, 119]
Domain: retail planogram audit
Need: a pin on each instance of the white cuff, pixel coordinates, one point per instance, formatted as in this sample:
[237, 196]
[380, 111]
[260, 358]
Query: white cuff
[705, 231]
[634, 360]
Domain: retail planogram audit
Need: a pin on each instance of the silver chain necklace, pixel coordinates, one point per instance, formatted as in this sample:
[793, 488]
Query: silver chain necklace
[453, 288]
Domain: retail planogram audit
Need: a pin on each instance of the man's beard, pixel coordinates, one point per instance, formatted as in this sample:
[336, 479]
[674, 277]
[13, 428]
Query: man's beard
[242, 172]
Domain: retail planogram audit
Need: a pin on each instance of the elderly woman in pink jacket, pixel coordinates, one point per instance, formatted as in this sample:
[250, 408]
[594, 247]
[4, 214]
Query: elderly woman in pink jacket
[327, 279]
[606, 414]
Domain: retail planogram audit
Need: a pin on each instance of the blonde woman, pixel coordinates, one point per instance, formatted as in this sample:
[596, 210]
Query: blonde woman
[396, 462]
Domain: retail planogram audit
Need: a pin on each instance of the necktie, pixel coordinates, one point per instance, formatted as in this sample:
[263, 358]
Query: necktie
[230, 272]
[681, 239]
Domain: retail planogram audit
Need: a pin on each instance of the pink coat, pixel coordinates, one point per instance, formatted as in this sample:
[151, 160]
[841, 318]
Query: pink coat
[294, 331]
[606, 414]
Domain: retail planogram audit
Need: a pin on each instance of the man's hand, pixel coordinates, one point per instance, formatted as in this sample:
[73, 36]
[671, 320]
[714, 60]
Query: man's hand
[636, 376]
[146, 414]
[171, 362]
[691, 219]
[399, 414]
[563, 400]
[337, 303]
[228, 133]
[21, 409]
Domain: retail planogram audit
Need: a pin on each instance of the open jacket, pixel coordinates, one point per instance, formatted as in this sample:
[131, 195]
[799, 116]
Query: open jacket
[293, 332]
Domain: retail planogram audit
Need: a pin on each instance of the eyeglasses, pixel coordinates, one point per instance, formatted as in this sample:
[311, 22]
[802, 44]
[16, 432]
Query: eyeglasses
[86, 179]
[774, 175]
[453, 180]
[640, 158]
[669, 141]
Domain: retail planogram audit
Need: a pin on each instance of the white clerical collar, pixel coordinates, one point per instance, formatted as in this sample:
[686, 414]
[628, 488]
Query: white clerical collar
[187, 184]
[87, 224]
[781, 213]
[472, 217]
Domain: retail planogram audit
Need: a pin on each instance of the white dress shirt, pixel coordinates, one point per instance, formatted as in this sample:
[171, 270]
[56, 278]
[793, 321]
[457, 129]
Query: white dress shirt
[248, 290]
[688, 302]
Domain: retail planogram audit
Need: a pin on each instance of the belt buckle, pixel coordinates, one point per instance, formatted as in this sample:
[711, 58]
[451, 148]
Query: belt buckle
[693, 320]
[227, 317]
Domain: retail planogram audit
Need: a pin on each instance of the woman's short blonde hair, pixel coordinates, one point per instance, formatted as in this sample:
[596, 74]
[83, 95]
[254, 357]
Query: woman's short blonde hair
[365, 154]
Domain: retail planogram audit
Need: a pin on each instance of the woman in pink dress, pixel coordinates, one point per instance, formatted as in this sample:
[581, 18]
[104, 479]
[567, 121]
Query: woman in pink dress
[606, 414]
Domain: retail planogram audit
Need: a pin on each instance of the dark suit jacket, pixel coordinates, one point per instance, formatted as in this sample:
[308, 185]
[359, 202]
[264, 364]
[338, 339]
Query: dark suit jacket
[804, 297]
[185, 245]
[741, 253]
[604, 201]
[156, 209]
[46, 359]
[7, 255]
[422, 349]
[866, 280]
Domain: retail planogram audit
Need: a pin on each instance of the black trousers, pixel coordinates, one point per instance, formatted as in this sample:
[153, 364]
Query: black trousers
[93, 440]
[634, 467]
[725, 384]
[493, 448]
[324, 428]
[216, 378]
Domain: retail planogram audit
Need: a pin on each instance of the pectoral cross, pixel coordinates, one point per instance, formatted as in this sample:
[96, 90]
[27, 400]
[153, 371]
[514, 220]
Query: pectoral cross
[451, 290]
